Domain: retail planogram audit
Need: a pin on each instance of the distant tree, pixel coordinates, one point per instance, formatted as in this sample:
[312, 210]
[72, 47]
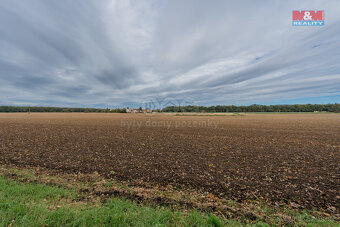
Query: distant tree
[257, 108]
[252, 108]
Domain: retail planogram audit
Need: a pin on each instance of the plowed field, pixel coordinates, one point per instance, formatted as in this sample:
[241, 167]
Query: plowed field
[280, 157]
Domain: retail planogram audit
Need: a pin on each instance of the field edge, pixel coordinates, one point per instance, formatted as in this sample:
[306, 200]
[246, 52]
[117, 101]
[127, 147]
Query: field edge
[93, 190]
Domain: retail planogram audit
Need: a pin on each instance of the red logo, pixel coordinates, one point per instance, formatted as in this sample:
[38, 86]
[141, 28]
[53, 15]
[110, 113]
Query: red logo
[308, 15]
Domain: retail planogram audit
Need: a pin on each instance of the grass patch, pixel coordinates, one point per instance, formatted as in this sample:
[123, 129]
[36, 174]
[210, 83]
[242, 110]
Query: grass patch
[33, 204]
[31, 199]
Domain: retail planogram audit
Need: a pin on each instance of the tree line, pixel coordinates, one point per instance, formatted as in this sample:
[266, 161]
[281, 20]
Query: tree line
[257, 108]
[209, 109]
[58, 109]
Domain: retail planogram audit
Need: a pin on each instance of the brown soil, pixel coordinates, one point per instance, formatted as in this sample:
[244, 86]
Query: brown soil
[280, 157]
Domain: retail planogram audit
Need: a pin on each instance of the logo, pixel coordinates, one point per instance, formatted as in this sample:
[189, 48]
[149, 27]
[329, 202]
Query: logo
[308, 18]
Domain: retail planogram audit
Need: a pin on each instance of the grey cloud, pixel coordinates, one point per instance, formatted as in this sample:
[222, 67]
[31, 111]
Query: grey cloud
[111, 53]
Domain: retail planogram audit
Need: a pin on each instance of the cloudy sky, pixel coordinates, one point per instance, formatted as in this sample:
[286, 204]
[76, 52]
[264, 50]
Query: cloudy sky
[117, 53]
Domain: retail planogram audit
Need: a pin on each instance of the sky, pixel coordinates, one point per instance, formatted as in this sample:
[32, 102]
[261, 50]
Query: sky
[108, 53]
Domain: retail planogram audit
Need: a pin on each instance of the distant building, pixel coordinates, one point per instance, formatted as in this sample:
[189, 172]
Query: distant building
[128, 110]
